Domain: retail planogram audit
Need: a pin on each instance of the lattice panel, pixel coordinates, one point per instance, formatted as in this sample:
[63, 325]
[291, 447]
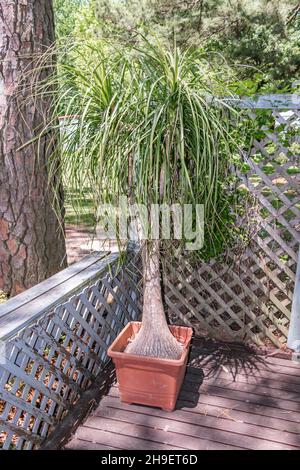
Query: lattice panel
[249, 296]
[50, 364]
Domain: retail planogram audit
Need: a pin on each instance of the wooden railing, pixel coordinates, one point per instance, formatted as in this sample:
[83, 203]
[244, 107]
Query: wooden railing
[54, 340]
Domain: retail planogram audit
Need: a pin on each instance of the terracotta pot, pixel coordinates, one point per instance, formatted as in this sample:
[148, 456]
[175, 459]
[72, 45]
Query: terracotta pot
[148, 380]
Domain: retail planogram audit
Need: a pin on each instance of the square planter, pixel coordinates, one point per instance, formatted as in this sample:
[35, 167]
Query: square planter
[148, 380]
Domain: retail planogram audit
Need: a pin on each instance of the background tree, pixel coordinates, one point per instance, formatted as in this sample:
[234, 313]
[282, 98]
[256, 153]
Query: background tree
[263, 34]
[32, 243]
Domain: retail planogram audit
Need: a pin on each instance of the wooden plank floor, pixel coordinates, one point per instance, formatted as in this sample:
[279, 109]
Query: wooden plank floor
[230, 399]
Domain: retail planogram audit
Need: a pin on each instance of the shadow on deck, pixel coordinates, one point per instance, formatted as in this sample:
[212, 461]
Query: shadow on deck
[231, 398]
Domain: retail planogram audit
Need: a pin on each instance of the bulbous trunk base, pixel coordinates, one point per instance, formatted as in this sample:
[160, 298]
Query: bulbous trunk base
[149, 342]
[154, 338]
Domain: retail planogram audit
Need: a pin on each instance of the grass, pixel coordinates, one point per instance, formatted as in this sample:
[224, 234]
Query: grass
[79, 207]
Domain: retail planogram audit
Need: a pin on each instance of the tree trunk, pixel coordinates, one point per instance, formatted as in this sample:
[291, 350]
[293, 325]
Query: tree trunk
[154, 338]
[32, 245]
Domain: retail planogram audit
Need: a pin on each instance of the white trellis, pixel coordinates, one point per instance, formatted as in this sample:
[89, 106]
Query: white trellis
[250, 295]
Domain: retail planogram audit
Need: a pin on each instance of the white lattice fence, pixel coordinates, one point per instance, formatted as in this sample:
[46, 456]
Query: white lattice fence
[55, 344]
[249, 295]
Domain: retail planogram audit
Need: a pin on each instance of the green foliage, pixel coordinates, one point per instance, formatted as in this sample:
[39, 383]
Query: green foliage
[259, 40]
[3, 297]
[262, 35]
[75, 19]
[66, 14]
[147, 127]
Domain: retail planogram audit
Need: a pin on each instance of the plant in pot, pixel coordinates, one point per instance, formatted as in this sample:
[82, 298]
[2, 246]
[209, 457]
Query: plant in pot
[146, 128]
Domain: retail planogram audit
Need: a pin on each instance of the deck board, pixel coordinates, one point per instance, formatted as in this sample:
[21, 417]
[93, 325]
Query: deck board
[232, 413]
[225, 403]
[188, 426]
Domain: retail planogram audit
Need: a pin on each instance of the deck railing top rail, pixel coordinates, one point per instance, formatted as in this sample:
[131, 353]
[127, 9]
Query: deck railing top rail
[31, 305]
[279, 101]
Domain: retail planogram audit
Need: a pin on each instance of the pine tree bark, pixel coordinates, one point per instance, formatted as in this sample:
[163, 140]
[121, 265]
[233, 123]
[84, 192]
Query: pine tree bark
[32, 245]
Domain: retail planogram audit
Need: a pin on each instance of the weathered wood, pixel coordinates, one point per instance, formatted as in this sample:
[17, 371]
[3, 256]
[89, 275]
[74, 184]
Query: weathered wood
[80, 444]
[245, 413]
[185, 425]
[55, 347]
[211, 413]
[231, 409]
[255, 378]
[43, 287]
[267, 395]
[146, 426]
[292, 367]
[87, 402]
[276, 101]
[13, 321]
[124, 441]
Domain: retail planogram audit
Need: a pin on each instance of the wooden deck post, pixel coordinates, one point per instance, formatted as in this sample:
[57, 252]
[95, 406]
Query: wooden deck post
[294, 330]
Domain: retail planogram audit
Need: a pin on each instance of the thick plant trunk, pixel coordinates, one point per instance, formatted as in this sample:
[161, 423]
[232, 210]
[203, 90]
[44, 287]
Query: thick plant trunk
[32, 245]
[154, 338]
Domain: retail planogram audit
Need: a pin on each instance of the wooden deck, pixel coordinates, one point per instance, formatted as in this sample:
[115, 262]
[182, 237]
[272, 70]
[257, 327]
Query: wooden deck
[231, 399]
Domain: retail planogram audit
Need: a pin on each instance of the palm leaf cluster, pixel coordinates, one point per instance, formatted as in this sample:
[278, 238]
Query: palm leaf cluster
[147, 122]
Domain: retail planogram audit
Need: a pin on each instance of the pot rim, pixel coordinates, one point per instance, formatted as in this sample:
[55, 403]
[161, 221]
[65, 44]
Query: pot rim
[138, 358]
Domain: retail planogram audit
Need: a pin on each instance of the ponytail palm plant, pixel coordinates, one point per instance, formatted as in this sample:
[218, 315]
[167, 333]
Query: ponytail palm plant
[149, 125]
